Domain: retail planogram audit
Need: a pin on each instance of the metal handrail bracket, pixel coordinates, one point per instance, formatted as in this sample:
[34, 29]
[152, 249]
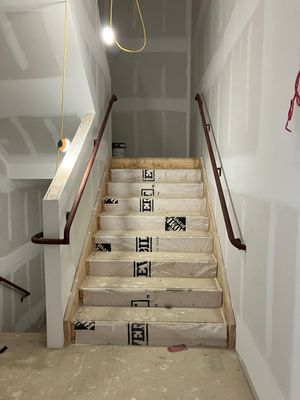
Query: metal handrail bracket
[39, 238]
[236, 242]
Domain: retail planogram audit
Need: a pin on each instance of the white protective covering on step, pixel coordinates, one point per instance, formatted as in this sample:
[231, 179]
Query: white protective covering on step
[148, 189]
[151, 292]
[157, 268]
[156, 175]
[154, 204]
[155, 222]
[171, 242]
[154, 334]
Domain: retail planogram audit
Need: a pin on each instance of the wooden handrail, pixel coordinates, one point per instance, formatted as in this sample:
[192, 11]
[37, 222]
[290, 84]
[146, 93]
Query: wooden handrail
[39, 238]
[236, 242]
[24, 292]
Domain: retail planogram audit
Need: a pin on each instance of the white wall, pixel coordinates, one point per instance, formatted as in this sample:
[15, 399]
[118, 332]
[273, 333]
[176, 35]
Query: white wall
[30, 85]
[21, 261]
[245, 59]
[61, 261]
[152, 114]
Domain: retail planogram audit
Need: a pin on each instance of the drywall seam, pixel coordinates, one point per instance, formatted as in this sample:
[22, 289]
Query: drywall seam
[268, 388]
[165, 45]
[199, 19]
[31, 316]
[270, 281]
[25, 135]
[12, 42]
[233, 32]
[52, 129]
[188, 25]
[12, 261]
[295, 381]
[128, 104]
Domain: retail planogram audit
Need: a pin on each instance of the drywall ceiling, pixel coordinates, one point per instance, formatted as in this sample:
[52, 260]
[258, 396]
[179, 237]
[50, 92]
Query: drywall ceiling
[30, 84]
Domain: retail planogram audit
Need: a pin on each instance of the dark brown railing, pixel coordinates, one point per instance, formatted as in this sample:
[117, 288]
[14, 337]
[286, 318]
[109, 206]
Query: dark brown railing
[236, 242]
[24, 292]
[39, 238]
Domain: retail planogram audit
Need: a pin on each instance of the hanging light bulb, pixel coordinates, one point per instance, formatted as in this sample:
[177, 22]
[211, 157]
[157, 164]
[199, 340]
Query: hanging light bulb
[63, 145]
[108, 35]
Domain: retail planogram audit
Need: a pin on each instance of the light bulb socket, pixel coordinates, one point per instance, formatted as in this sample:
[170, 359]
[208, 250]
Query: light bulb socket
[63, 144]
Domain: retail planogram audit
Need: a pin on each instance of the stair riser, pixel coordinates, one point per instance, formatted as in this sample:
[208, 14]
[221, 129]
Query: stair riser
[166, 190]
[158, 175]
[154, 334]
[152, 269]
[152, 223]
[154, 205]
[143, 297]
[153, 244]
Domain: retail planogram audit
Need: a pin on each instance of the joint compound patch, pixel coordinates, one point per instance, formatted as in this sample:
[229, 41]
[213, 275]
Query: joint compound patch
[143, 244]
[142, 268]
[146, 205]
[85, 325]
[140, 303]
[148, 175]
[103, 247]
[111, 200]
[147, 192]
[138, 334]
[175, 224]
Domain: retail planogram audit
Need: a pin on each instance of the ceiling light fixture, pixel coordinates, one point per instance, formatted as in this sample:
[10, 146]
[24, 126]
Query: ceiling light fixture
[108, 36]
[108, 33]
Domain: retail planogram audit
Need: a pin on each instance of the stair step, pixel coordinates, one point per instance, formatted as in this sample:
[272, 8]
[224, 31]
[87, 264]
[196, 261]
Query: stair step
[148, 189]
[142, 222]
[155, 175]
[155, 265]
[154, 204]
[194, 241]
[151, 292]
[149, 326]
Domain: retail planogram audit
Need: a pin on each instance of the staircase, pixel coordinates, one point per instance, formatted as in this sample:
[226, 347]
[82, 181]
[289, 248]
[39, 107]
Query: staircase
[151, 278]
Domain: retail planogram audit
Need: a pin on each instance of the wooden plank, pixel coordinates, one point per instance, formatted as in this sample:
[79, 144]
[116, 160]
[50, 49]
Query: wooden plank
[159, 163]
[221, 277]
[74, 299]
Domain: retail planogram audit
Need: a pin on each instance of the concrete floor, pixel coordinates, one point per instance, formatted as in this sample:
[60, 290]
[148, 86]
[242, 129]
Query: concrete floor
[28, 371]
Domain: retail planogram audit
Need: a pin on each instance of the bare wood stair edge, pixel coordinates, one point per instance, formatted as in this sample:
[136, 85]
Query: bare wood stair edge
[163, 324]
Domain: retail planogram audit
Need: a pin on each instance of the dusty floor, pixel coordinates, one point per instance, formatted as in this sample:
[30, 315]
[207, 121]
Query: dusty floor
[28, 371]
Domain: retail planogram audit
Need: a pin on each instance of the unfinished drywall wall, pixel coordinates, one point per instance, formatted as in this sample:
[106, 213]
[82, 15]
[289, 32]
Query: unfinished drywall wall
[20, 261]
[153, 87]
[30, 85]
[30, 100]
[245, 60]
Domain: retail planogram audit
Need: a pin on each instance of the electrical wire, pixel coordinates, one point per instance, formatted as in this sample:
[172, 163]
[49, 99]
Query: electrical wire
[296, 99]
[143, 26]
[63, 80]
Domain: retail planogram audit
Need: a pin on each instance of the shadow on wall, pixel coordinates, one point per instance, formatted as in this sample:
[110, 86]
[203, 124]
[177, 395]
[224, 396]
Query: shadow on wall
[20, 261]
[261, 281]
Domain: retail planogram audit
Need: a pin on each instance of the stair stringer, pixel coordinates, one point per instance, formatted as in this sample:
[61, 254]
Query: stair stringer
[88, 246]
[221, 275]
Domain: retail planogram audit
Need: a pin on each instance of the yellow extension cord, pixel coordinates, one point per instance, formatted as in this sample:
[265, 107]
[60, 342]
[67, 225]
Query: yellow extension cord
[143, 26]
[63, 79]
